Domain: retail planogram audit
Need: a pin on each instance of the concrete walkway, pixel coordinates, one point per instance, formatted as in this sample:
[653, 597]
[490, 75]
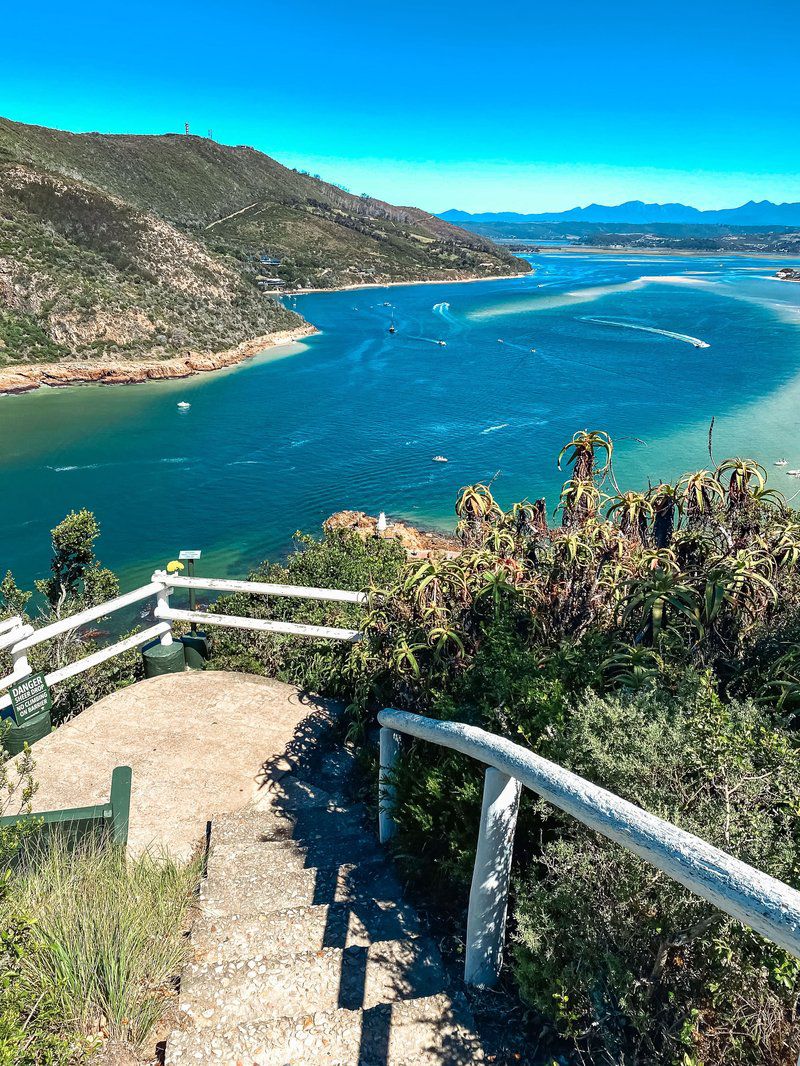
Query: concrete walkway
[200, 744]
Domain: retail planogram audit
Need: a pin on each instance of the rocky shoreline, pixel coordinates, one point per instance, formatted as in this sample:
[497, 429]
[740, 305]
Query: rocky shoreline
[418, 543]
[15, 380]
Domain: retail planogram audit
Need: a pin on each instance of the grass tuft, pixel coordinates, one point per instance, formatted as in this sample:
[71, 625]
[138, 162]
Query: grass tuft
[108, 935]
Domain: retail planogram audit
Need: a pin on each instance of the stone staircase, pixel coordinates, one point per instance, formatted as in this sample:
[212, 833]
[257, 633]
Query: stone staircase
[304, 951]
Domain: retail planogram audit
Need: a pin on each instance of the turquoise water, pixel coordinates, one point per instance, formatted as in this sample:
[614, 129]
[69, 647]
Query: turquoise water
[352, 417]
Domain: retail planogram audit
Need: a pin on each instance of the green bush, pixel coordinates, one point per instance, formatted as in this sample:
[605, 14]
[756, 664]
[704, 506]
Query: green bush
[32, 1032]
[340, 560]
[617, 956]
[31, 1029]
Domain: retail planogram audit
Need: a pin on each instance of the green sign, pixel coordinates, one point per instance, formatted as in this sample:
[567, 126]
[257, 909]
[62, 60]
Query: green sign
[30, 697]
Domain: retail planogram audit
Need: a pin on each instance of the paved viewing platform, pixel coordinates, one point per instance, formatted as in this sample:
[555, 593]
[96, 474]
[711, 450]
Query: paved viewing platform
[200, 744]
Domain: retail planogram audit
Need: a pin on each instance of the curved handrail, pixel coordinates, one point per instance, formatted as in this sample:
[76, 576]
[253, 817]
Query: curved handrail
[760, 901]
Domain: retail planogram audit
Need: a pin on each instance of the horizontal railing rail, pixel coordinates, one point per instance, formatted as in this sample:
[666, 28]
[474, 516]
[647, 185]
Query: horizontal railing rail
[265, 588]
[765, 904]
[164, 612]
[257, 625]
[17, 637]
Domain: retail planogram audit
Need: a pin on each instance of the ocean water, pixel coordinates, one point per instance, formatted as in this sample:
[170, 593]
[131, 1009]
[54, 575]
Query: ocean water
[646, 348]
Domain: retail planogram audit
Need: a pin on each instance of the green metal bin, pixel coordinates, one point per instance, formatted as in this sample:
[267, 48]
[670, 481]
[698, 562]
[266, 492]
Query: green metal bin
[163, 658]
[197, 648]
[33, 729]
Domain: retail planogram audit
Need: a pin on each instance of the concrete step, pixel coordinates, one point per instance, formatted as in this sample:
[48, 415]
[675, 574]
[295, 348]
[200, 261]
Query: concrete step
[334, 925]
[321, 852]
[286, 882]
[289, 791]
[261, 988]
[430, 1031]
[273, 822]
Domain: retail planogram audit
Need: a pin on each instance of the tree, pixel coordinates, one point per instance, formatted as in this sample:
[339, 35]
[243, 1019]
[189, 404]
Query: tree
[13, 599]
[78, 578]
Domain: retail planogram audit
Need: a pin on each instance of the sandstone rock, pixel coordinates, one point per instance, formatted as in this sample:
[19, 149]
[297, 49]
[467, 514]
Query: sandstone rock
[418, 543]
[132, 372]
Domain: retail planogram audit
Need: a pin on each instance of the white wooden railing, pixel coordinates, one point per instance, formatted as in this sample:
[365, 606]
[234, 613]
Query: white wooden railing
[164, 612]
[765, 904]
[17, 637]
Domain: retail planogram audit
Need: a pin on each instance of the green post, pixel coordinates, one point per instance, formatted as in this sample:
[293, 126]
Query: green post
[195, 642]
[192, 595]
[120, 801]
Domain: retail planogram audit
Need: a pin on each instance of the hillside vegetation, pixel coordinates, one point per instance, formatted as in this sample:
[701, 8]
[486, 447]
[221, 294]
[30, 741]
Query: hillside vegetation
[648, 641]
[139, 246]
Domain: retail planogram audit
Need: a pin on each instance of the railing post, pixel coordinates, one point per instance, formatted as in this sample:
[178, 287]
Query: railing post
[162, 604]
[21, 666]
[488, 898]
[389, 751]
[120, 802]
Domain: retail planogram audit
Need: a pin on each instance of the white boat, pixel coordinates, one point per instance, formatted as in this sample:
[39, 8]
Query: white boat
[793, 473]
[442, 344]
[184, 406]
[781, 462]
[439, 459]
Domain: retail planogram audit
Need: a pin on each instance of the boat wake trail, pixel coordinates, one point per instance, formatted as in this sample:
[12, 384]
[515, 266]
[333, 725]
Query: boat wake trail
[102, 466]
[685, 337]
[430, 340]
[443, 311]
[493, 429]
[516, 347]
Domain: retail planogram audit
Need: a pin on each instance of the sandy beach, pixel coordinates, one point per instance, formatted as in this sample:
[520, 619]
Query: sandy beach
[399, 284]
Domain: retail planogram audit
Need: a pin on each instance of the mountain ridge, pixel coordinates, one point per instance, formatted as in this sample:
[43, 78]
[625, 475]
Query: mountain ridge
[761, 213]
[121, 247]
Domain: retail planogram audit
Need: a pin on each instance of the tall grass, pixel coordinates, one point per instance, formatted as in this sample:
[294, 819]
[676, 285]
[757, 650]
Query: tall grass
[108, 934]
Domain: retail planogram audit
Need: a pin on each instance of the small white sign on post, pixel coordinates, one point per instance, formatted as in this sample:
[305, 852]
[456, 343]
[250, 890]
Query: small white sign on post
[189, 555]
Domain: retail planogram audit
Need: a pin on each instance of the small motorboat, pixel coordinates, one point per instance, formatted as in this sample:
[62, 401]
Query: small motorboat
[781, 462]
[392, 329]
[442, 344]
[500, 340]
[184, 406]
[440, 459]
[793, 473]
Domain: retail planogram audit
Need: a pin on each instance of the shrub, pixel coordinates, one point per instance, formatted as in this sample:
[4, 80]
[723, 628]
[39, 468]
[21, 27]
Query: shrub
[340, 560]
[617, 956]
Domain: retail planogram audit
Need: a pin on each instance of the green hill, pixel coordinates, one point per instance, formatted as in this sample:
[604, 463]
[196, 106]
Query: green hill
[148, 246]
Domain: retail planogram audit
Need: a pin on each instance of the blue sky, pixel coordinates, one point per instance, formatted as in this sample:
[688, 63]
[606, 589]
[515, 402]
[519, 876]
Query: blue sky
[512, 106]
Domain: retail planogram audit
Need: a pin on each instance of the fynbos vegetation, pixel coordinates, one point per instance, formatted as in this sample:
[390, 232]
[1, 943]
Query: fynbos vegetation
[133, 247]
[644, 639]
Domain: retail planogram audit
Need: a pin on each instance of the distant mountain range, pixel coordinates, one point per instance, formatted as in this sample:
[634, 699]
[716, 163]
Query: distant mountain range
[764, 213]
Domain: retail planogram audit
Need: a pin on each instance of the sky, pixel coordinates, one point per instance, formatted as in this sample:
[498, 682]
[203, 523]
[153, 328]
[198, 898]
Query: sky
[484, 107]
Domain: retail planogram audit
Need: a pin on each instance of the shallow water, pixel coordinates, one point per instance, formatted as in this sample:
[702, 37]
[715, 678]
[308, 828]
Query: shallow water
[351, 418]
